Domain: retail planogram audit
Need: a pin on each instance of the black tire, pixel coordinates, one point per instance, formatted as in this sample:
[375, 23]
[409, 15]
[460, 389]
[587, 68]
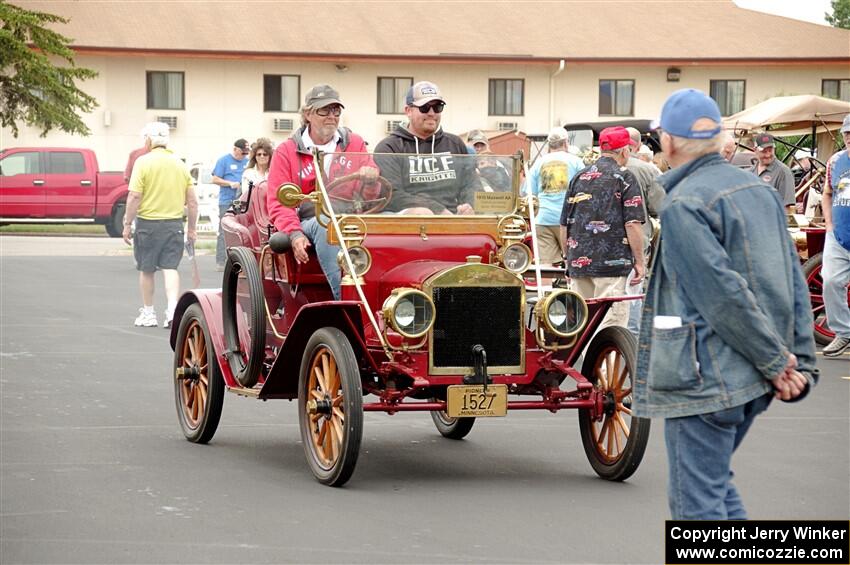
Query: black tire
[330, 406]
[811, 272]
[198, 384]
[115, 223]
[452, 428]
[611, 347]
[245, 363]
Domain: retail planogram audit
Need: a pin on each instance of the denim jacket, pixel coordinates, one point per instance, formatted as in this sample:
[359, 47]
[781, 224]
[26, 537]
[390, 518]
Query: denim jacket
[727, 268]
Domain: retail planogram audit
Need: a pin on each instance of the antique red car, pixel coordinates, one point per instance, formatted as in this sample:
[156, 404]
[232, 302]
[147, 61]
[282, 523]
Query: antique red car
[435, 316]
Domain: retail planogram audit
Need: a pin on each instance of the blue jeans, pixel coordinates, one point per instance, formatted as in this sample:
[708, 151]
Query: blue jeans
[326, 253]
[220, 249]
[836, 275]
[699, 454]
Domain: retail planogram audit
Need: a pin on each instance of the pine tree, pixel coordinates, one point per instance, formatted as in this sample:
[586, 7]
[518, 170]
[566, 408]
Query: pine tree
[840, 16]
[33, 90]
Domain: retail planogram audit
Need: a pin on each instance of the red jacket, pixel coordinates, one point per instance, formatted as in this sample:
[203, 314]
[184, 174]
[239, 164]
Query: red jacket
[293, 163]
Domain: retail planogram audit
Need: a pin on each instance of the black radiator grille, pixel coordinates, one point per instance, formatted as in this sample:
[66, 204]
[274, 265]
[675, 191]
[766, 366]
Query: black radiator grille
[467, 316]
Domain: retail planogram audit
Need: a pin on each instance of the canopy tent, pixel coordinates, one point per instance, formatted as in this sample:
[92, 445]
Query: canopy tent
[794, 115]
[790, 115]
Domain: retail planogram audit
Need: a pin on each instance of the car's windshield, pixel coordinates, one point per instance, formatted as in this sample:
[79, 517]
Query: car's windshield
[417, 185]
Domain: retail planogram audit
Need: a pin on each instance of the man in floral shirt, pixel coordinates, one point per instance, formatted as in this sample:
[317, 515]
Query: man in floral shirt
[601, 226]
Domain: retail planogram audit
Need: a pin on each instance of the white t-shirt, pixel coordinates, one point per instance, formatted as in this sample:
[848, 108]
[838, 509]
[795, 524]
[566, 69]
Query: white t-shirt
[252, 175]
[329, 147]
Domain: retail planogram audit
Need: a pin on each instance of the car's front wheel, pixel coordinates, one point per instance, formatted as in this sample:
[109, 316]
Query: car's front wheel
[452, 428]
[615, 443]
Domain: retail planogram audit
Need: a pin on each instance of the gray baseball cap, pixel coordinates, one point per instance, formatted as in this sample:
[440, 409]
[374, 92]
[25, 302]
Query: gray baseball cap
[322, 95]
[845, 127]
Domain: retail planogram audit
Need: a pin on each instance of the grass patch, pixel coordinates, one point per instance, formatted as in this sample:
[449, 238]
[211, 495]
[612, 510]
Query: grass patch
[54, 228]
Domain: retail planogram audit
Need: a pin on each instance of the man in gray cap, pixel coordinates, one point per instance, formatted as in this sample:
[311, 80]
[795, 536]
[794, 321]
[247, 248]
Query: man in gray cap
[478, 140]
[836, 251]
[773, 171]
[293, 163]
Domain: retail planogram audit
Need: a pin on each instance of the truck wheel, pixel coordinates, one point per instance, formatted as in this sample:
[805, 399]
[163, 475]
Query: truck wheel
[243, 316]
[198, 384]
[330, 406]
[115, 223]
[614, 444]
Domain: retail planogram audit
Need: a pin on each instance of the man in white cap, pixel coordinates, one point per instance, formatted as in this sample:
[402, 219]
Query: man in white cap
[836, 251]
[549, 180]
[160, 188]
[428, 183]
[727, 323]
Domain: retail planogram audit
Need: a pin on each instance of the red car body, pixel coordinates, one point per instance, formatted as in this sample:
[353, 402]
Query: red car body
[60, 183]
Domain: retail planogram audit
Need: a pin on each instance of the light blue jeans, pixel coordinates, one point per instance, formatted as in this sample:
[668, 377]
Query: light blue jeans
[326, 253]
[836, 275]
[699, 456]
[220, 248]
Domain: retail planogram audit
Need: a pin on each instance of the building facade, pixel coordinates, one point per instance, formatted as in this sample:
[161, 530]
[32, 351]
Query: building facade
[212, 90]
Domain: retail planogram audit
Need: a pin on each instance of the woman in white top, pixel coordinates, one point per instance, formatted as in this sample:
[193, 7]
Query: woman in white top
[258, 166]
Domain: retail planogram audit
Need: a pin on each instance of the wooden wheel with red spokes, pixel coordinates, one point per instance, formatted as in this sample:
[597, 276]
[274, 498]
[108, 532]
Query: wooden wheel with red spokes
[614, 442]
[812, 272]
[330, 403]
[198, 384]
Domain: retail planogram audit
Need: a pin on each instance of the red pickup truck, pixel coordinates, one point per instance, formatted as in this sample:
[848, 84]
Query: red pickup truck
[60, 183]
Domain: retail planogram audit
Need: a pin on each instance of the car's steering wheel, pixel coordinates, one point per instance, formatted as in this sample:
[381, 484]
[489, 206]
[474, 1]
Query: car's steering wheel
[360, 197]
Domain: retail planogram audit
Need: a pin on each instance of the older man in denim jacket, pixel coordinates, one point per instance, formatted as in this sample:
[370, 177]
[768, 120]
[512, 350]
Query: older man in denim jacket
[727, 322]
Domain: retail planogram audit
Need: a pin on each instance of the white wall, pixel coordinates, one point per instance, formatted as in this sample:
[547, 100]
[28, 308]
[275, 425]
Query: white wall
[224, 98]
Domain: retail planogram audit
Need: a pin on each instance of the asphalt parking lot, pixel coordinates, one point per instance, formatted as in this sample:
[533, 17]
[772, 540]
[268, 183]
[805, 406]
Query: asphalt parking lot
[94, 469]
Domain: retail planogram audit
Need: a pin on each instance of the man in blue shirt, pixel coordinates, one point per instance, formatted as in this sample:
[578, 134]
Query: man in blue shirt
[549, 179]
[227, 174]
[836, 251]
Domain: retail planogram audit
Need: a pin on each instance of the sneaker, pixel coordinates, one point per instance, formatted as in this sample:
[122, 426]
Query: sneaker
[167, 323]
[219, 267]
[146, 319]
[836, 347]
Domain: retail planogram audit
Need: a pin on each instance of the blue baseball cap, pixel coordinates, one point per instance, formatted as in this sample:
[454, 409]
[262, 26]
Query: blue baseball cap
[683, 111]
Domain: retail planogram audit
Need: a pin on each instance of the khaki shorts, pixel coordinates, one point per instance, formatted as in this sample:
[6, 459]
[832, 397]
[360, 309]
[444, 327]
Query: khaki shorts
[549, 244]
[601, 287]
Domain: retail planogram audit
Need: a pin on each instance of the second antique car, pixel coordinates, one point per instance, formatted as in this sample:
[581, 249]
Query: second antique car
[435, 317]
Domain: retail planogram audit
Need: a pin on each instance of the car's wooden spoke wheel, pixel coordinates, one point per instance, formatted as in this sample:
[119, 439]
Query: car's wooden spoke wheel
[330, 402]
[611, 434]
[615, 442]
[198, 384]
[812, 272]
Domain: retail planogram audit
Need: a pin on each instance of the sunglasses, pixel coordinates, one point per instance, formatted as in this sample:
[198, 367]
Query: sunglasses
[328, 110]
[436, 106]
[261, 154]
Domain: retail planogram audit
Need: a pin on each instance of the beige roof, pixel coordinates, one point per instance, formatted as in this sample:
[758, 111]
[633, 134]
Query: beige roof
[645, 30]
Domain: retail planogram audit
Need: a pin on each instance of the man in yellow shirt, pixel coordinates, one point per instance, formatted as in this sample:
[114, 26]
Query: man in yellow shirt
[160, 187]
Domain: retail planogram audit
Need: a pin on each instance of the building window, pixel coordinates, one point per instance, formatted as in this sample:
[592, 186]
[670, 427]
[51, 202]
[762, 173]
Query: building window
[616, 97]
[729, 95]
[506, 96]
[838, 88]
[391, 94]
[165, 91]
[281, 93]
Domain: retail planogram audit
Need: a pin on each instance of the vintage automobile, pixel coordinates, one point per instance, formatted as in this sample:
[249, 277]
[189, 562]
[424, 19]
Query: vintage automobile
[434, 317]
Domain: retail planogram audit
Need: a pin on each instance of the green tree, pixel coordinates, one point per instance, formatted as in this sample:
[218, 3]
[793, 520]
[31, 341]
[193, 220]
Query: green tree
[34, 90]
[840, 16]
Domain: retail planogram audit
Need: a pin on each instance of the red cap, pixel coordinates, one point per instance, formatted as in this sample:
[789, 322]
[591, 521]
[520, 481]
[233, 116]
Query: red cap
[611, 139]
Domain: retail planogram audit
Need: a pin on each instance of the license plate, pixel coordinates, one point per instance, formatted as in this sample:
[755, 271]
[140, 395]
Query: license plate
[471, 400]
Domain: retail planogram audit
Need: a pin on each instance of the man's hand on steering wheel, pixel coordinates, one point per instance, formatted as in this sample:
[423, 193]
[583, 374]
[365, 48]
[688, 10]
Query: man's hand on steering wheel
[368, 174]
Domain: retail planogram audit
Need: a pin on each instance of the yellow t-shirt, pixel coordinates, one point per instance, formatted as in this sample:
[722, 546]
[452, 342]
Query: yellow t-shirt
[162, 179]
